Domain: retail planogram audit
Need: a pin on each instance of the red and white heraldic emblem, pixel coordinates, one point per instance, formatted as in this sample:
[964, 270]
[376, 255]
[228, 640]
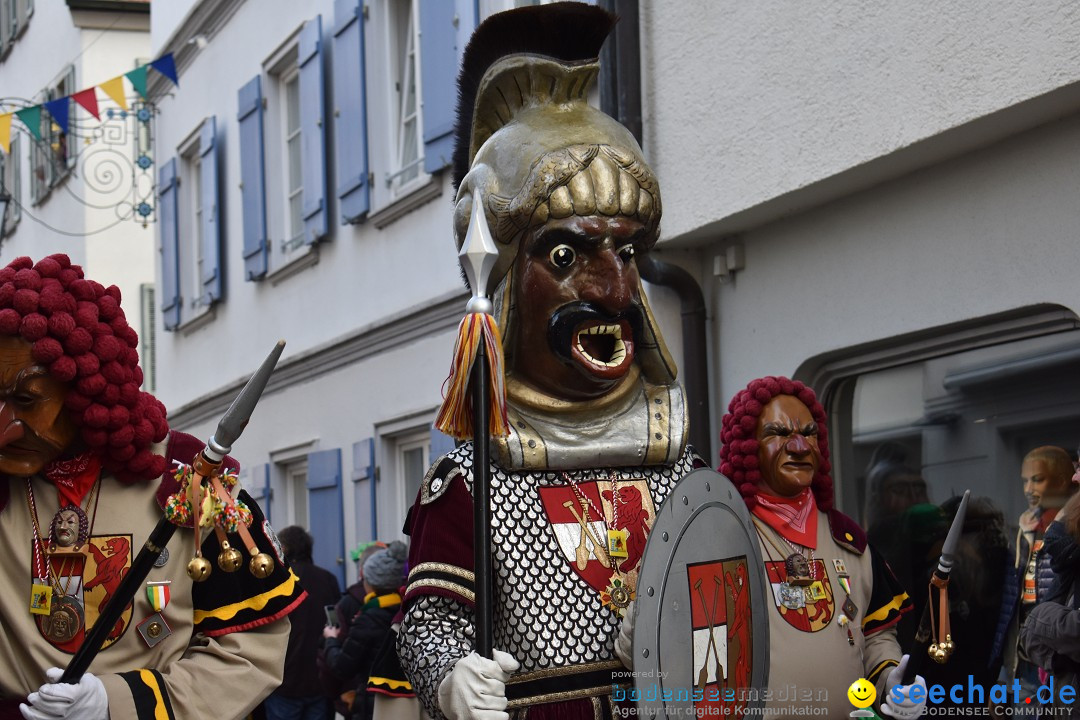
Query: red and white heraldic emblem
[722, 634]
[582, 517]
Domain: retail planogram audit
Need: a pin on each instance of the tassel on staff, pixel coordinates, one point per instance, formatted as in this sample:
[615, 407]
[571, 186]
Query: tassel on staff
[477, 329]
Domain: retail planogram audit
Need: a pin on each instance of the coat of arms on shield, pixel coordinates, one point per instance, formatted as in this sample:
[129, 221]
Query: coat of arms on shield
[602, 528]
[701, 636]
[722, 629]
[84, 581]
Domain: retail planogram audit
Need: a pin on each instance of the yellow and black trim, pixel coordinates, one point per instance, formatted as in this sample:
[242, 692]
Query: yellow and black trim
[149, 694]
[229, 602]
[888, 601]
[881, 667]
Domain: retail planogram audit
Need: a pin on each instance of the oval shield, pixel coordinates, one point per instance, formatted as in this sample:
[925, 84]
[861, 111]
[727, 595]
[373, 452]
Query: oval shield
[701, 629]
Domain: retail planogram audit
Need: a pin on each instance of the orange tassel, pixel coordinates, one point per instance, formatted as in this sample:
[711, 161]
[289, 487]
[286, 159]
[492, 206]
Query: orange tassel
[456, 414]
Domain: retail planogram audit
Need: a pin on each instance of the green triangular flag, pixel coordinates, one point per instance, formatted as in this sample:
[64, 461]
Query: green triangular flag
[31, 118]
[138, 79]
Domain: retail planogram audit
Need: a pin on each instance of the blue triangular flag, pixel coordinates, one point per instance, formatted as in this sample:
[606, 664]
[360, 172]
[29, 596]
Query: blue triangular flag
[166, 67]
[59, 111]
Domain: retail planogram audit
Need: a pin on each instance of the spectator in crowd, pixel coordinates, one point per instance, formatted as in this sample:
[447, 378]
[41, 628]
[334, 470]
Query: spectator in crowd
[1046, 472]
[352, 655]
[300, 696]
[1051, 635]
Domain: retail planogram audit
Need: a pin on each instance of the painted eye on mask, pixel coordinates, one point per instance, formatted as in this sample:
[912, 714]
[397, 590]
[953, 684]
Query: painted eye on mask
[562, 256]
[626, 253]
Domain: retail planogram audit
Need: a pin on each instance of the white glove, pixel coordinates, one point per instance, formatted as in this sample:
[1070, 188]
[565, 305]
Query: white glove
[906, 708]
[55, 700]
[476, 687]
[624, 643]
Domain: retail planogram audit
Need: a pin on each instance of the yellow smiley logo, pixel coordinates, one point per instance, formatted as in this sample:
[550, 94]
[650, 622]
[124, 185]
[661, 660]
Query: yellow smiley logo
[861, 693]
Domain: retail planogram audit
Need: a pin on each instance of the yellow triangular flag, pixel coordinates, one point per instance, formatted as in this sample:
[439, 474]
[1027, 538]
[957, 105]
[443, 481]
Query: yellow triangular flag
[5, 132]
[115, 89]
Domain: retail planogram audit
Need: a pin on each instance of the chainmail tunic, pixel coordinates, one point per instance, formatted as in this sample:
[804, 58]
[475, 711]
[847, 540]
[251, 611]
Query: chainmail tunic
[546, 615]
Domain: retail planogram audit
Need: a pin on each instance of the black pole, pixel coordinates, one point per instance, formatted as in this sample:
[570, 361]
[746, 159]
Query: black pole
[921, 647]
[481, 503]
[125, 593]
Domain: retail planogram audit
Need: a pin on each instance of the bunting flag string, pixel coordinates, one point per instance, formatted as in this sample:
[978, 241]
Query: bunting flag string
[60, 108]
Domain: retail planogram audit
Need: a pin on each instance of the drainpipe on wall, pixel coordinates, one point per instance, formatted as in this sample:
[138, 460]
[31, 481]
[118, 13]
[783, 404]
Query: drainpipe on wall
[620, 97]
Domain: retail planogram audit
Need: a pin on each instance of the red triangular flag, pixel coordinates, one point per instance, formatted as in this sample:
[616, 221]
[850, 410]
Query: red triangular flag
[88, 100]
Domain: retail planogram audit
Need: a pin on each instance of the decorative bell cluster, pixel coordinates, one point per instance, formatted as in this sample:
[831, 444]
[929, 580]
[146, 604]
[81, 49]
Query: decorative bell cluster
[205, 500]
[941, 652]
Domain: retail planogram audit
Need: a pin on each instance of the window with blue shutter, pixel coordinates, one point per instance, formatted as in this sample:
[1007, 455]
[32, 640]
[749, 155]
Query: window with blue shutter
[313, 130]
[440, 444]
[210, 271]
[365, 499]
[168, 193]
[350, 111]
[439, 60]
[257, 484]
[253, 179]
[324, 509]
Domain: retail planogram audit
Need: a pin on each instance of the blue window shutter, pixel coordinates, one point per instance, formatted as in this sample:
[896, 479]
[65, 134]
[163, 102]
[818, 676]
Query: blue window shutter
[438, 79]
[258, 486]
[440, 444]
[364, 470]
[324, 510]
[168, 190]
[350, 114]
[212, 282]
[253, 179]
[312, 130]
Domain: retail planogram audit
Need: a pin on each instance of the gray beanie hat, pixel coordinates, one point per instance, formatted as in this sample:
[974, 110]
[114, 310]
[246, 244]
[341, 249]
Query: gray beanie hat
[385, 570]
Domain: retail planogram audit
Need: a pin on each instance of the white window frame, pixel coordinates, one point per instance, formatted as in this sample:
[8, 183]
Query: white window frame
[405, 484]
[11, 181]
[390, 195]
[294, 477]
[43, 153]
[148, 336]
[288, 253]
[189, 211]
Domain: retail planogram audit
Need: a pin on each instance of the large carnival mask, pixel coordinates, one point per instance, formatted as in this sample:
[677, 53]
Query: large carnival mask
[34, 426]
[578, 280]
[788, 452]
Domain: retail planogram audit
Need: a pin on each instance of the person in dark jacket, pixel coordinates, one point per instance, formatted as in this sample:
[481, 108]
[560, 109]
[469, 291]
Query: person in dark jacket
[351, 655]
[1051, 635]
[300, 696]
[1046, 472]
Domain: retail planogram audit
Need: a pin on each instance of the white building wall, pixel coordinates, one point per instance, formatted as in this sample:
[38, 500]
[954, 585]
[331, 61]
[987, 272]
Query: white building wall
[369, 326]
[887, 169]
[81, 216]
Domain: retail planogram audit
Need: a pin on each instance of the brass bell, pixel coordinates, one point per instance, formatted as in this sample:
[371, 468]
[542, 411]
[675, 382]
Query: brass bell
[198, 569]
[937, 653]
[261, 565]
[229, 559]
[947, 647]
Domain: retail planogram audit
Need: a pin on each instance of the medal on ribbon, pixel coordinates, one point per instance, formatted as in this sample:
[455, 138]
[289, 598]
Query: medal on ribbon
[158, 594]
[40, 599]
[154, 629]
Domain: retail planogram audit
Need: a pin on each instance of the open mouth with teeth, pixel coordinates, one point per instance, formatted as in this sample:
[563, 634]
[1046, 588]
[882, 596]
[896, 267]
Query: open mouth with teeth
[603, 348]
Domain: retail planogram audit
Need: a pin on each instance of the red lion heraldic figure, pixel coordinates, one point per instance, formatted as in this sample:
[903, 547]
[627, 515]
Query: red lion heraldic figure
[87, 462]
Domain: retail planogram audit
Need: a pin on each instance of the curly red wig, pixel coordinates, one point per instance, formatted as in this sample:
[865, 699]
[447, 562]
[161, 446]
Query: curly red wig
[77, 330]
[739, 450]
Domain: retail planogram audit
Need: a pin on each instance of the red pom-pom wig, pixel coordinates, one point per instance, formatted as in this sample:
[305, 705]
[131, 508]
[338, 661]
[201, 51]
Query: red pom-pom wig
[77, 330]
[738, 430]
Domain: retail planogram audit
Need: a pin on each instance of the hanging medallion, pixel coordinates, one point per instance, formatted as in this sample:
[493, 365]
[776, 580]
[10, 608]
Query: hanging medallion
[797, 568]
[65, 619]
[792, 597]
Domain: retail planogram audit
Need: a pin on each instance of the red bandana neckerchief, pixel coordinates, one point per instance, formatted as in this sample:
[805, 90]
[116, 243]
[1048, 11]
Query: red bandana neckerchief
[795, 518]
[74, 476]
